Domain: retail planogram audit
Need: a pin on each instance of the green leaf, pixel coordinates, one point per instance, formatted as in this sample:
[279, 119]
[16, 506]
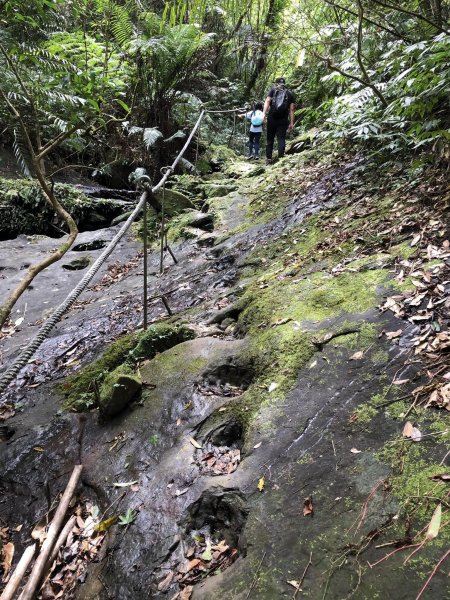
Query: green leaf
[128, 517]
[207, 554]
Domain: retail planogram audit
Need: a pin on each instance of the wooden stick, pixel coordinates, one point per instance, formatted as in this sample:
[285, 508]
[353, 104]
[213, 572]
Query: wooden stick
[59, 542]
[39, 566]
[19, 572]
[255, 578]
[299, 587]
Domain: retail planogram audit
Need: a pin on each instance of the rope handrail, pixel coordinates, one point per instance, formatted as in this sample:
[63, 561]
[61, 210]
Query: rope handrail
[10, 374]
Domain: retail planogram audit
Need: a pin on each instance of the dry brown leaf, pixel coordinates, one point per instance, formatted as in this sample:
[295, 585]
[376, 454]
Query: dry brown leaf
[441, 477]
[7, 558]
[391, 335]
[295, 584]
[408, 429]
[357, 356]
[165, 583]
[308, 508]
[39, 532]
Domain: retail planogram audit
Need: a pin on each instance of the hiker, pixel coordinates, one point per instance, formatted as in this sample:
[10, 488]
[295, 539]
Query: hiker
[256, 118]
[279, 111]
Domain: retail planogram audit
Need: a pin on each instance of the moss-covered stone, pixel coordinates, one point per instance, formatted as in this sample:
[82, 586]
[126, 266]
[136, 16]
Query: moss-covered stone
[79, 387]
[158, 338]
[218, 190]
[118, 390]
[24, 209]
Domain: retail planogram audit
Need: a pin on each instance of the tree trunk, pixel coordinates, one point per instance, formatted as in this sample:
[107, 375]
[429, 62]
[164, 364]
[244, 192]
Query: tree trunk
[7, 305]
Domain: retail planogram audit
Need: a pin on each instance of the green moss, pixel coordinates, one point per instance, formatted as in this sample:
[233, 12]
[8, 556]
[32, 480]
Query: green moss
[365, 413]
[24, 208]
[158, 338]
[118, 390]
[403, 250]
[78, 387]
[315, 298]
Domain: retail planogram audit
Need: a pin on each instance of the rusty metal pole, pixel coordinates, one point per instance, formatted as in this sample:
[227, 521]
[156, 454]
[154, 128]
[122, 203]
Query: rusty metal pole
[145, 266]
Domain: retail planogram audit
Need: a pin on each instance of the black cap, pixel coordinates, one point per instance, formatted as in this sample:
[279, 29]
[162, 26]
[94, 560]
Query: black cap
[280, 80]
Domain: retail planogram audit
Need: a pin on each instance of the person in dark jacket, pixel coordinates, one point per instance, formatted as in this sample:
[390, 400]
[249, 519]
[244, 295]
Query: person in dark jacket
[279, 111]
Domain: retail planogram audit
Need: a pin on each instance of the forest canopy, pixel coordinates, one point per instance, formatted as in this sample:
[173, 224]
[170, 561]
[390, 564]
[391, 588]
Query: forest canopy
[113, 82]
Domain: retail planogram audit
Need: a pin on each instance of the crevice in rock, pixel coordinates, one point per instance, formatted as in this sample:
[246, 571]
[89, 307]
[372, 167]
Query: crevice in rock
[87, 246]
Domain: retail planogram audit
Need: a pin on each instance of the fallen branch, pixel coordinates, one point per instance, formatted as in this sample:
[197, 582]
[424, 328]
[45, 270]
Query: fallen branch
[19, 572]
[59, 542]
[255, 578]
[300, 583]
[49, 542]
[433, 573]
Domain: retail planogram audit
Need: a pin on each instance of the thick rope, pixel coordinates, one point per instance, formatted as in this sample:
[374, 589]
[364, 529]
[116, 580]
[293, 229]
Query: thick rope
[44, 331]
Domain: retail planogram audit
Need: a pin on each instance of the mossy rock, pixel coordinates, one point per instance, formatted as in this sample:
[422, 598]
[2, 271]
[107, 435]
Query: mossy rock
[174, 202]
[78, 388]
[24, 210]
[118, 390]
[159, 338]
[218, 190]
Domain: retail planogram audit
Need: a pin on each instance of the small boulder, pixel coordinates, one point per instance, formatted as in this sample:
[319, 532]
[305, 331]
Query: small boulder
[218, 190]
[200, 220]
[118, 390]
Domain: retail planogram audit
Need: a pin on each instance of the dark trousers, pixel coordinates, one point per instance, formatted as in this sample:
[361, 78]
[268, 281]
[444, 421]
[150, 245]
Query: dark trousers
[253, 142]
[276, 127]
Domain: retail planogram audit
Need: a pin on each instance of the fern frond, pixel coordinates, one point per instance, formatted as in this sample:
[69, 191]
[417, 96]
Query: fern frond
[178, 135]
[19, 154]
[151, 136]
[66, 98]
[121, 25]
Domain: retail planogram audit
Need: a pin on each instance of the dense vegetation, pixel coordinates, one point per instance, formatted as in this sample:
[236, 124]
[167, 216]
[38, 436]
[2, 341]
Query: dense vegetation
[117, 82]
[105, 86]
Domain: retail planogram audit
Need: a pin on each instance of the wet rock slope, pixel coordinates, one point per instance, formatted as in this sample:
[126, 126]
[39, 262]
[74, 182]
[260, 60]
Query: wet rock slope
[262, 455]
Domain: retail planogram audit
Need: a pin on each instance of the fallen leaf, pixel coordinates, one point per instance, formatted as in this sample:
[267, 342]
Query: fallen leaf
[355, 451]
[124, 484]
[195, 443]
[273, 386]
[103, 526]
[308, 508]
[416, 435]
[441, 477]
[7, 557]
[415, 240]
[435, 524]
[257, 445]
[295, 584]
[391, 335]
[186, 593]
[207, 555]
[181, 492]
[261, 484]
[313, 364]
[408, 429]
[18, 321]
[400, 381]
[165, 583]
[38, 449]
[357, 356]
[39, 531]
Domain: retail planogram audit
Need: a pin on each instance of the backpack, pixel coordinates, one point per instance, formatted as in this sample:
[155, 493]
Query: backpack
[280, 102]
[257, 118]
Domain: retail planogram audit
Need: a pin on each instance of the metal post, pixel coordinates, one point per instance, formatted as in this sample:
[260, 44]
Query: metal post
[145, 265]
[161, 258]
